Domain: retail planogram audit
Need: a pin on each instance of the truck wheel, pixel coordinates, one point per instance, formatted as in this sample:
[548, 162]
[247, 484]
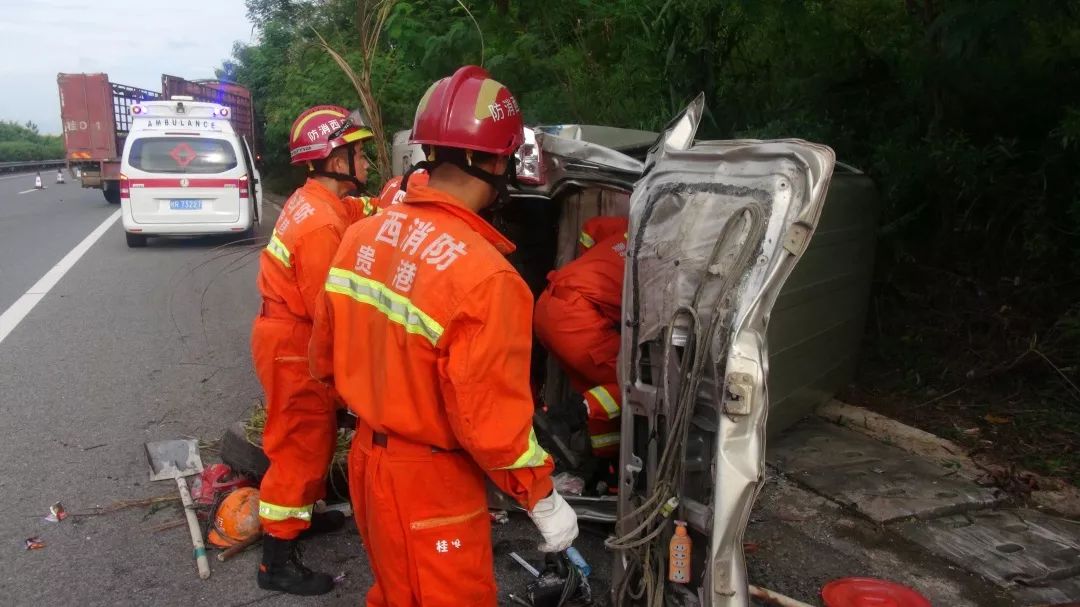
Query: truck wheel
[135, 240]
[112, 192]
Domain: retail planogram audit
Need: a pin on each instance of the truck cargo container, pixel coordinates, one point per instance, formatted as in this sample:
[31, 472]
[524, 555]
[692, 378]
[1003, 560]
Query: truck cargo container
[96, 115]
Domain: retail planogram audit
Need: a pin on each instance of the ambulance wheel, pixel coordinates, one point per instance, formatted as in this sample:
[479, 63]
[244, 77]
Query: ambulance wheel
[248, 236]
[242, 455]
[135, 240]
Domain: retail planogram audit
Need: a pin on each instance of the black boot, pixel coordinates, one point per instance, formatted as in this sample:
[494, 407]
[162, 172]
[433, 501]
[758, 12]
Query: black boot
[282, 570]
[324, 522]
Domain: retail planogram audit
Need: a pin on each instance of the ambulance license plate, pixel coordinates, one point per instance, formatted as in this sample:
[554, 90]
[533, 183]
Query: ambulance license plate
[185, 205]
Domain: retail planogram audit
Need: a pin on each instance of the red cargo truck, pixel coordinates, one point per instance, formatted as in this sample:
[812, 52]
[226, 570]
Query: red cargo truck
[96, 115]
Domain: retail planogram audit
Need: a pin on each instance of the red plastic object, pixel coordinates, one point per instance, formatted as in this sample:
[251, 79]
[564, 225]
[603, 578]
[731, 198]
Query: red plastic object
[215, 480]
[870, 592]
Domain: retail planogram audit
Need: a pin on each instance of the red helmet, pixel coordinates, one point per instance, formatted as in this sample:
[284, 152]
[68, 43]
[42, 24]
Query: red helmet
[471, 111]
[323, 128]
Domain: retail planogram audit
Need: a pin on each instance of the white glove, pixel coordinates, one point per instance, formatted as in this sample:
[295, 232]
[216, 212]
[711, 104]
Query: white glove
[556, 521]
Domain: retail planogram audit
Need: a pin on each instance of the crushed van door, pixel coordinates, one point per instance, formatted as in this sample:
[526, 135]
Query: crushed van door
[715, 229]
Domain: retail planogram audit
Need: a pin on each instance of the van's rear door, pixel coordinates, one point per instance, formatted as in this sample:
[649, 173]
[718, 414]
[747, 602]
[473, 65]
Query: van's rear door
[254, 182]
[183, 179]
[715, 229]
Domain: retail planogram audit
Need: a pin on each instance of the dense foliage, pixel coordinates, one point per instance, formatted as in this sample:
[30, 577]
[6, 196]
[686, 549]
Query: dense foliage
[24, 142]
[965, 112]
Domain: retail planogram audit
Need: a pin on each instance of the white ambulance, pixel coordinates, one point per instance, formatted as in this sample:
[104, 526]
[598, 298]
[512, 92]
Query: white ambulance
[186, 172]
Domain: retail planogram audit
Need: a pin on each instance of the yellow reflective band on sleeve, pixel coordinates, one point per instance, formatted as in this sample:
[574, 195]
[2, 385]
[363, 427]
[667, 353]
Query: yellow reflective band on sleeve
[602, 396]
[277, 248]
[533, 456]
[369, 209]
[586, 240]
[599, 441]
[397, 308]
[273, 512]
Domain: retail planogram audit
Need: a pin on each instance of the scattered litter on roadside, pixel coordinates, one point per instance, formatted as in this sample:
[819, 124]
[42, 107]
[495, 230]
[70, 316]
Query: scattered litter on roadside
[339, 578]
[568, 484]
[34, 543]
[215, 481]
[997, 419]
[56, 513]
[499, 517]
[750, 547]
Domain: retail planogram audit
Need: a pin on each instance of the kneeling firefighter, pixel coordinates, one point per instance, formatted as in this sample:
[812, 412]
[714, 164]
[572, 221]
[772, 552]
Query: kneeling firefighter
[577, 321]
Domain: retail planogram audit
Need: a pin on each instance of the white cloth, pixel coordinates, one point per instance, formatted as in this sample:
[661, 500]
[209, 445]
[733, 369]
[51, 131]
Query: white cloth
[556, 521]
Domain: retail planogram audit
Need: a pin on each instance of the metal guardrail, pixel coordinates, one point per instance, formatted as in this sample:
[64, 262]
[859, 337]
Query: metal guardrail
[28, 165]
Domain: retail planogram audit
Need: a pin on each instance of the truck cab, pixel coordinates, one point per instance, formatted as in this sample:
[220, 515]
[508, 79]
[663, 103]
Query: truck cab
[185, 171]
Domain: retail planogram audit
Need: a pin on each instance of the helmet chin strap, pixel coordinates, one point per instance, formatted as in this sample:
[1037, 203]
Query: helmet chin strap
[499, 183]
[351, 176]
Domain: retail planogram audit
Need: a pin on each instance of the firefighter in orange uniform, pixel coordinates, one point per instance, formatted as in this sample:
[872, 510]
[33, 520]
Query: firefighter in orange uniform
[425, 332]
[392, 193]
[600, 228]
[577, 321]
[300, 412]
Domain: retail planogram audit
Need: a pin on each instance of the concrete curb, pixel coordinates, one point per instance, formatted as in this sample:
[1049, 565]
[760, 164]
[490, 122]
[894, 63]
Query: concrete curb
[1052, 494]
[890, 431]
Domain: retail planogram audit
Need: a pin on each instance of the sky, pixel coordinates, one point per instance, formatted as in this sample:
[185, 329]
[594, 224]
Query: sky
[133, 41]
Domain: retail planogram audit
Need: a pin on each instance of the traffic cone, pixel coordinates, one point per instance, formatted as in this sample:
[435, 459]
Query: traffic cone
[37, 182]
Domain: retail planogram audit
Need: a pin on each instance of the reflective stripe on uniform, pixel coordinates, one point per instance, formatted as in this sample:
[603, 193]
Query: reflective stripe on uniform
[599, 441]
[586, 240]
[369, 209]
[273, 512]
[602, 396]
[533, 456]
[397, 308]
[278, 249]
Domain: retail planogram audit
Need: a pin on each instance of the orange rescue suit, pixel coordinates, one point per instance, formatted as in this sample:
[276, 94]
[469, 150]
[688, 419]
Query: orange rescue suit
[425, 333]
[392, 193]
[600, 228]
[577, 321]
[300, 424]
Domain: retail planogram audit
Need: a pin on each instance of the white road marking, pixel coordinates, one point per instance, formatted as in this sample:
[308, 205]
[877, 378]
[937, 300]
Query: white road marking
[30, 190]
[24, 304]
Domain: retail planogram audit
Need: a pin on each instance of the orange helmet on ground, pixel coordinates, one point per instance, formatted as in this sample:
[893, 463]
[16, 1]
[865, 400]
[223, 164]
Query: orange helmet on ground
[236, 519]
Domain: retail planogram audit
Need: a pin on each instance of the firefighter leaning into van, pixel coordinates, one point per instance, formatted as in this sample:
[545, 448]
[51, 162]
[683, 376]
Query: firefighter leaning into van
[577, 321]
[425, 332]
[300, 421]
